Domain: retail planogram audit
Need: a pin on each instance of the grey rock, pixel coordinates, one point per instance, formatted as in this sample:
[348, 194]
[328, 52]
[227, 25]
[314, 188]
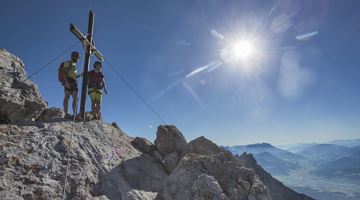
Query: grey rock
[277, 189]
[89, 116]
[227, 171]
[33, 160]
[170, 161]
[143, 145]
[115, 186]
[144, 173]
[20, 99]
[114, 124]
[51, 115]
[203, 146]
[206, 187]
[169, 139]
[158, 157]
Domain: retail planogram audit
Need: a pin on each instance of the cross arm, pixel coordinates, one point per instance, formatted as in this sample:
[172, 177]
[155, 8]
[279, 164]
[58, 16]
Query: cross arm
[83, 39]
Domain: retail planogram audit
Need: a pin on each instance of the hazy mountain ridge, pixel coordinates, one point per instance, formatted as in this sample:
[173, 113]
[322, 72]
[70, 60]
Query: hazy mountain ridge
[265, 147]
[318, 170]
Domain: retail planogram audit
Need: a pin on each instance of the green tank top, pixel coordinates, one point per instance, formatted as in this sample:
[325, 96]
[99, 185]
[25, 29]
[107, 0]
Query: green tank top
[71, 69]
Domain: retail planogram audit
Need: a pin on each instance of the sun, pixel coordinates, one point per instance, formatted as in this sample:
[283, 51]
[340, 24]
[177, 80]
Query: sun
[242, 49]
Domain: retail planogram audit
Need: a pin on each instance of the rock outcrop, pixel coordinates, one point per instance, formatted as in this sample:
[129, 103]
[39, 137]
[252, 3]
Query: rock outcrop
[19, 98]
[277, 189]
[196, 174]
[34, 158]
[169, 139]
[51, 115]
[102, 162]
[203, 146]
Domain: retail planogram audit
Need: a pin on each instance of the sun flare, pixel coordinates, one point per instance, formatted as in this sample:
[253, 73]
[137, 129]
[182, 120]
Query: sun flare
[243, 49]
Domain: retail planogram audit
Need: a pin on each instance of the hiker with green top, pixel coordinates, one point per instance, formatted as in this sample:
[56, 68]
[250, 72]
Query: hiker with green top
[67, 77]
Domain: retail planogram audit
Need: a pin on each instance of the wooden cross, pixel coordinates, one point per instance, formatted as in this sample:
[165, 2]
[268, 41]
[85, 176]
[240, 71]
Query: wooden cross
[90, 49]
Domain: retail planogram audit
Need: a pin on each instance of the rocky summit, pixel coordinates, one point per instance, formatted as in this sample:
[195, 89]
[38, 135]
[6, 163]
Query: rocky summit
[44, 156]
[19, 98]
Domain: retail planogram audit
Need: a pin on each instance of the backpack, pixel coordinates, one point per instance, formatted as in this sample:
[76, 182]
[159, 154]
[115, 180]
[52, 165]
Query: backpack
[62, 73]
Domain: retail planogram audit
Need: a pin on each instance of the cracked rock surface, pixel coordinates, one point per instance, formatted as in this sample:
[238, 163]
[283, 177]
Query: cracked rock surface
[20, 99]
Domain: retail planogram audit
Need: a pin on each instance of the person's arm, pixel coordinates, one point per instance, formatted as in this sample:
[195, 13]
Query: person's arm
[103, 82]
[80, 75]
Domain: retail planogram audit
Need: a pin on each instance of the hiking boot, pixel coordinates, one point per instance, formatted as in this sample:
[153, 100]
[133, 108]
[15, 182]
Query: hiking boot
[67, 116]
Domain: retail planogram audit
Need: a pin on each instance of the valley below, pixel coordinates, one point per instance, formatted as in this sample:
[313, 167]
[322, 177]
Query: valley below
[322, 171]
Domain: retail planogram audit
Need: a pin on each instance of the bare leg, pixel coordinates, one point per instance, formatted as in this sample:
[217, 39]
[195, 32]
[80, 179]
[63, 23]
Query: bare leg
[74, 96]
[93, 108]
[66, 101]
[98, 110]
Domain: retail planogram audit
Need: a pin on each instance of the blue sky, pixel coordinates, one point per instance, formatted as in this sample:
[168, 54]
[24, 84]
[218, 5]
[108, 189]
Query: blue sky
[301, 84]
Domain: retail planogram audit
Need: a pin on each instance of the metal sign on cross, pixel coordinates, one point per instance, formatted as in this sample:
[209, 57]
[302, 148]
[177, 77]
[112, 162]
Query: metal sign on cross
[90, 49]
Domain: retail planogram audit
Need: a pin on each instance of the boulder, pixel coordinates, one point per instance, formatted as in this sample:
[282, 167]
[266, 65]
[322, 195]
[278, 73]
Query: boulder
[143, 145]
[207, 187]
[158, 157]
[144, 173]
[51, 115]
[115, 125]
[235, 181]
[170, 161]
[20, 99]
[203, 146]
[169, 139]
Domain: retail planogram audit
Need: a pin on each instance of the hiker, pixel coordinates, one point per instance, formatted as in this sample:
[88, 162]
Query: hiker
[96, 83]
[67, 77]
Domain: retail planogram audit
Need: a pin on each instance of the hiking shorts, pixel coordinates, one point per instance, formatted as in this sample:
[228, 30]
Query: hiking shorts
[95, 94]
[72, 87]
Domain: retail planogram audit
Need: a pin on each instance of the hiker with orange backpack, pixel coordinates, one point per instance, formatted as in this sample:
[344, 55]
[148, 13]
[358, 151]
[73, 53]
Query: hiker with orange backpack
[67, 77]
[96, 83]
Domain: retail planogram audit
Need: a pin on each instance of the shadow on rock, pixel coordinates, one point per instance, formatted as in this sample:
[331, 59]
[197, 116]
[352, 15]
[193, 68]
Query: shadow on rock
[138, 177]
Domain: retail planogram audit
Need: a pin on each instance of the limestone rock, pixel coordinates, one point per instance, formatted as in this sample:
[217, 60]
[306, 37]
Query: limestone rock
[139, 177]
[19, 100]
[207, 187]
[203, 146]
[51, 115]
[170, 161]
[169, 139]
[115, 125]
[227, 171]
[277, 189]
[144, 173]
[33, 159]
[158, 157]
[143, 145]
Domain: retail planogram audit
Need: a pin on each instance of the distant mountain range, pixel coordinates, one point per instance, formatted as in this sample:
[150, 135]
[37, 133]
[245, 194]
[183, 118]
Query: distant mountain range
[346, 166]
[273, 159]
[256, 149]
[328, 169]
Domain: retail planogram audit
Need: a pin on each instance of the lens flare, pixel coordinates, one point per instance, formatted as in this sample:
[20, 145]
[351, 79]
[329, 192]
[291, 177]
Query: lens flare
[242, 49]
